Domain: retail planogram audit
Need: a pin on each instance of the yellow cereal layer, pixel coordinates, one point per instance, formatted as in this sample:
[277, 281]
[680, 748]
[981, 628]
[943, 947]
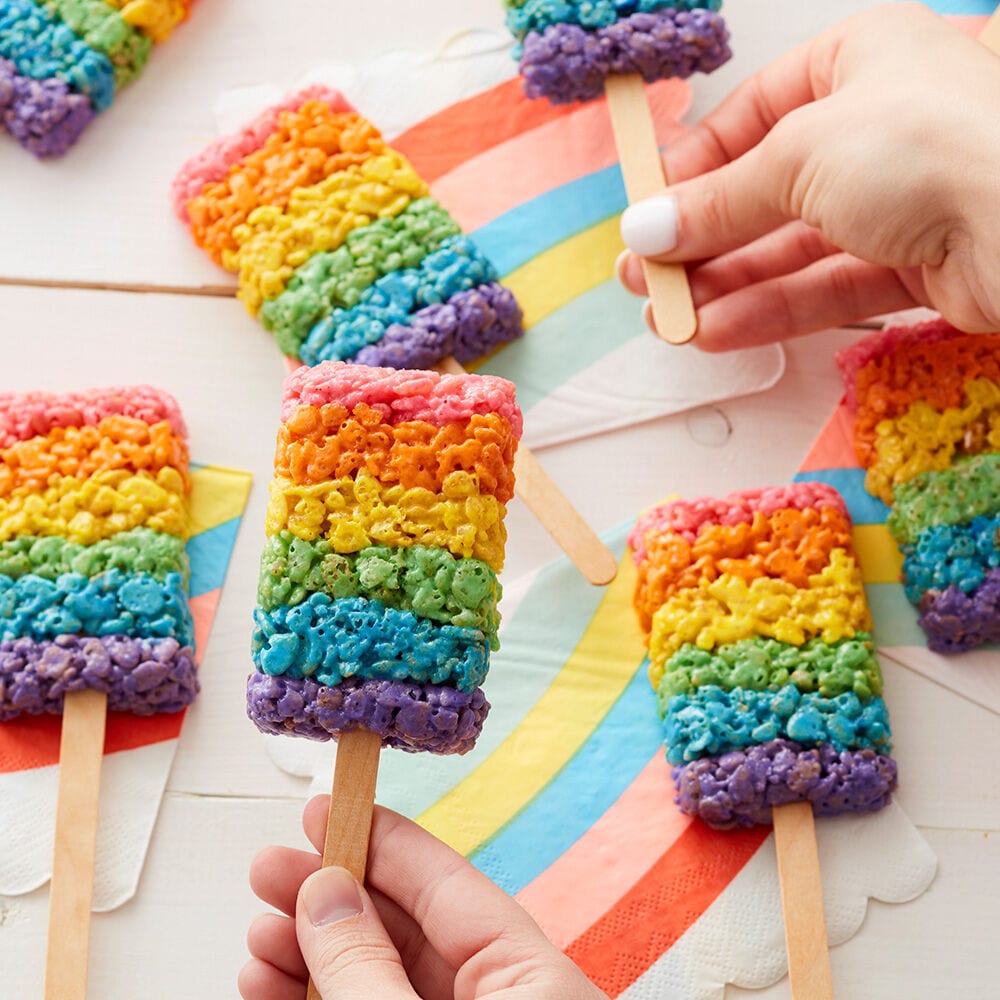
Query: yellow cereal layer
[155, 18]
[274, 242]
[728, 609]
[355, 513]
[87, 510]
[927, 440]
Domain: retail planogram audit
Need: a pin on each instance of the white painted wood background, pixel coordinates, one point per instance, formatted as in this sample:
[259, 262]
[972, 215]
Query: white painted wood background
[101, 216]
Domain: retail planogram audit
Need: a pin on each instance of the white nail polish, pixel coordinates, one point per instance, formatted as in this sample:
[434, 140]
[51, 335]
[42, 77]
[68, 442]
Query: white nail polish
[649, 227]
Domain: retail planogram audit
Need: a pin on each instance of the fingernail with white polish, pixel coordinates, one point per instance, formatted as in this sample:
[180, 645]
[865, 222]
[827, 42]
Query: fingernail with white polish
[649, 227]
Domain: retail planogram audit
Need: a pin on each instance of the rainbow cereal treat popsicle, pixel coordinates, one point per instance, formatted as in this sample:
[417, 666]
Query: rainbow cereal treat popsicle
[761, 655]
[378, 588]
[93, 602]
[62, 61]
[575, 50]
[345, 256]
[338, 245]
[926, 401]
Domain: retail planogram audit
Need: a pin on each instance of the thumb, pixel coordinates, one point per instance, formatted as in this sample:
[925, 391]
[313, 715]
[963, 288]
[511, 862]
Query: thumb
[347, 949]
[721, 210]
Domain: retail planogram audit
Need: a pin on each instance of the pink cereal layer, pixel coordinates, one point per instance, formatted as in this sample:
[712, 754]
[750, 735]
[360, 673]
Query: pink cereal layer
[29, 414]
[688, 517]
[402, 395]
[884, 342]
[214, 161]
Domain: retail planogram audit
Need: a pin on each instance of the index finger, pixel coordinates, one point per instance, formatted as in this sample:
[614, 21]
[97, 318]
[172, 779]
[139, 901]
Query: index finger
[799, 77]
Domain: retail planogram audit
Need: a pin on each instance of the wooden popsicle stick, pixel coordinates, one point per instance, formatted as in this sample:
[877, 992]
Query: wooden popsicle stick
[81, 753]
[802, 902]
[552, 507]
[352, 801]
[990, 35]
[642, 168]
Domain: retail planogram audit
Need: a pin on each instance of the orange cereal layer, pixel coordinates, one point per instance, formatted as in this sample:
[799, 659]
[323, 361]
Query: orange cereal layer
[728, 609]
[790, 545]
[273, 241]
[355, 513]
[413, 453]
[308, 145]
[935, 372]
[116, 442]
[927, 440]
[87, 510]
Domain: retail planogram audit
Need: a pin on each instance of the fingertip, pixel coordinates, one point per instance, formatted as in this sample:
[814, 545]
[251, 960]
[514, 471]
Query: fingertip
[628, 270]
[258, 980]
[647, 316]
[314, 820]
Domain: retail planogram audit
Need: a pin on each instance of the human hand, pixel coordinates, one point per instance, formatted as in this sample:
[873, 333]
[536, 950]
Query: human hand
[858, 174]
[429, 926]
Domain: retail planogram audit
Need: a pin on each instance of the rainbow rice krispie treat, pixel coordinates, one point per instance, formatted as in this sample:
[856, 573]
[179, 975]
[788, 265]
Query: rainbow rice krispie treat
[377, 604]
[340, 249]
[761, 655]
[568, 48]
[93, 573]
[926, 402]
[62, 62]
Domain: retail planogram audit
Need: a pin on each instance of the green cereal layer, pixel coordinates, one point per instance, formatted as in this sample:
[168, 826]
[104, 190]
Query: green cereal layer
[971, 487]
[104, 30]
[758, 664]
[337, 279]
[430, 582]
[140, 550]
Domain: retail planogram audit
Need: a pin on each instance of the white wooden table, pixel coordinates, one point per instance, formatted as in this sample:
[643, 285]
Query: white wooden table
[101, 218]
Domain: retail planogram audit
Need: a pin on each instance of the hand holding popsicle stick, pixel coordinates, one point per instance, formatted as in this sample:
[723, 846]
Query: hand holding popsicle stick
[642, 169]
[390, 643]
[574, 59]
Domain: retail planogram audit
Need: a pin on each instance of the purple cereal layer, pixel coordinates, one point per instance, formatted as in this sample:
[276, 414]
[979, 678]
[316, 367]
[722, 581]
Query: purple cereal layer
[739, 789]
[44, 116]
[215, 160]
[467, 326]
[141, 676]
[956, 622]
[411, 717]
[566, 62]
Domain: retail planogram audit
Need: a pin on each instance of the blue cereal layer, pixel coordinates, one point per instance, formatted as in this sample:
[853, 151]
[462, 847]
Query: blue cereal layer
[42, 47]
[112, 603]
[952, 555]
[712, 721]
[331, 640]
[458, 266]
[537, 15]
